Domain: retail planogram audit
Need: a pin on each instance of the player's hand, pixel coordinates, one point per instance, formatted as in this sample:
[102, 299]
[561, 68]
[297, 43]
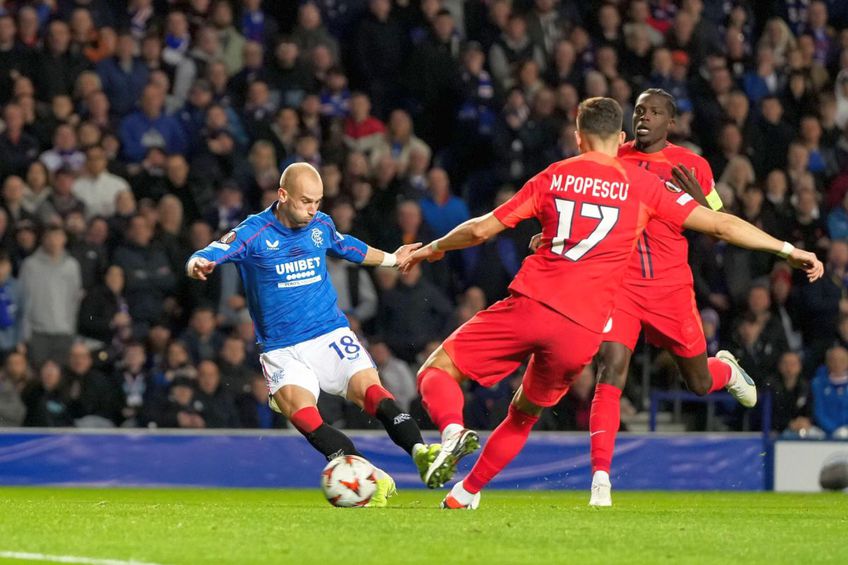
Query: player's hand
[685, 179]
[405, 251]
[200, 268]
[427, 252]
[808, 262]
[535, 243]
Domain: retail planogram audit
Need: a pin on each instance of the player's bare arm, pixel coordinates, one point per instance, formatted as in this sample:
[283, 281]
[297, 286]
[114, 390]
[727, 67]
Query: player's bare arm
[378, 258]
[739, 232]
[199, 268]
[467, 234]
[685, 180]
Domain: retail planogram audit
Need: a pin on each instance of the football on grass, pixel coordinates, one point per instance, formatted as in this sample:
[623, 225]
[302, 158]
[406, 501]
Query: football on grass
[349, 481]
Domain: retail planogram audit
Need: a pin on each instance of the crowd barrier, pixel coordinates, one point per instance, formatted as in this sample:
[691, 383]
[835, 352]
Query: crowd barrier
[279, 459]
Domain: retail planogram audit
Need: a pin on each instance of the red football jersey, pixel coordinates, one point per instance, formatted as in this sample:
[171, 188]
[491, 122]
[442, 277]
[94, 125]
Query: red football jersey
[592, 208]
[661, 256]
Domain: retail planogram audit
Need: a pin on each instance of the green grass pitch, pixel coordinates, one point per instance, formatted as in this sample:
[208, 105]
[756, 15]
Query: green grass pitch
[296, 526]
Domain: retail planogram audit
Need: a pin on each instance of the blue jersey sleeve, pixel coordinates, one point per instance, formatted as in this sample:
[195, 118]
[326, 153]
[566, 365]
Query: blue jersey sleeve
[230, 248]
[344, 246]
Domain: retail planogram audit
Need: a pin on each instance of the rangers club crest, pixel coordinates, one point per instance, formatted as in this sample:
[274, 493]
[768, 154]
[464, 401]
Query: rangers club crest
[228, 237]
[317, 237]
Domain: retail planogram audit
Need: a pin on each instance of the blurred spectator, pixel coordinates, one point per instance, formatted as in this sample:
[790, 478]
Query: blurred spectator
[399, 142]
[511, 48]
[56, 67]
[123, 75]
[413, 313]
[830, 393]
[255, 25]
[65, 151]
[14, 190]
[380, 47]
[11, 307]
[822, 301]
[37, 188]
[837, 220]
[792, 400]
[179, 409]
[356, 294]
[228, 209]
[254, 411]
[18, 147]
[96, 187]
[290, 76]
[149, 278]
[363, 132]
[784, 306]
[104, 313]
[12, 409]
[215, 403]
[442, 211]
[771, 136]
[395, 374]
[48, 402]
[202, 337]
[52, 286]
[150, 127]
[99, 394]
[135, 382]
[310, 31]
[232, 42]
[759, 338]
[232, 363]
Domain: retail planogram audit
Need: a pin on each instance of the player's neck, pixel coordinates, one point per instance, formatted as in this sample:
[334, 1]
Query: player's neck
[655, 147]
[282, 217]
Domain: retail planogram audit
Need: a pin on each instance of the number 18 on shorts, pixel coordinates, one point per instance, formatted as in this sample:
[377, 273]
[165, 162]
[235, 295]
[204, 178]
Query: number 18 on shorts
[325, 363]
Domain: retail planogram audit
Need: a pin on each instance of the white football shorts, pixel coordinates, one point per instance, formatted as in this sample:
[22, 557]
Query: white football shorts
[326, 363]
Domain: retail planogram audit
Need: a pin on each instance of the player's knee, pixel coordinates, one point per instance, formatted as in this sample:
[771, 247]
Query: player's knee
[291, 398]
[442, 361]
[699, 384]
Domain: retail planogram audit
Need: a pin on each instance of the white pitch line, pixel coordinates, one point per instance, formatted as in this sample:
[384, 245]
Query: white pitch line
[69, 559]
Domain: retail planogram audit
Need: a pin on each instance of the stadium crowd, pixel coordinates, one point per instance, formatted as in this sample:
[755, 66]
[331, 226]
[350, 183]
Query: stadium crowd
[136, 132]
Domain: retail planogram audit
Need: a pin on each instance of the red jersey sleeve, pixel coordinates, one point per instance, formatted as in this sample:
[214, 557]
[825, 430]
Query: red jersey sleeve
[524, 204]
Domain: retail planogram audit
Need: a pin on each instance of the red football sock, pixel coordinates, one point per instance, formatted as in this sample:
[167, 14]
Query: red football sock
[442, 397]
[604, 420]
[721, 373]
[373, 396]
[504, 444]
[307, 420]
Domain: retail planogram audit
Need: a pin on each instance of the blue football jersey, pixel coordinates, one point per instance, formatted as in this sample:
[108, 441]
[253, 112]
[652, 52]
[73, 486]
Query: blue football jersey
[289, 294]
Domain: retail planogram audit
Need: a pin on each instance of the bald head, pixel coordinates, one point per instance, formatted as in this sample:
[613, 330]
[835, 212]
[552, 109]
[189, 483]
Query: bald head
[300, 195]
[297, 176]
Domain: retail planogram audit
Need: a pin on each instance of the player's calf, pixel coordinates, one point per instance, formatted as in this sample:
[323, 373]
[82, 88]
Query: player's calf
[326, 439]
[379, 403]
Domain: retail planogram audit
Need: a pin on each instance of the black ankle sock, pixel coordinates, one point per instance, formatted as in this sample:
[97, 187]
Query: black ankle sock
[331, 442]
[399, 424]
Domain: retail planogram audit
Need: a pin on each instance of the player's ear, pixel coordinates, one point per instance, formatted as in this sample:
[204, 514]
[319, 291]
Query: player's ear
[577, 138]
[622, 137]
[283, 194]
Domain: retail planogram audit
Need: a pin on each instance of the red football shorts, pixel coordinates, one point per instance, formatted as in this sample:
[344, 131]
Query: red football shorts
[490, 346]
[669, 316]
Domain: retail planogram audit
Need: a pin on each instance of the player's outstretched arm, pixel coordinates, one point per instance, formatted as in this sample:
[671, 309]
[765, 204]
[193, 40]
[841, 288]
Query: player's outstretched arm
[199, 268]
[376, 258]
[739, 232]
[467, 234]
